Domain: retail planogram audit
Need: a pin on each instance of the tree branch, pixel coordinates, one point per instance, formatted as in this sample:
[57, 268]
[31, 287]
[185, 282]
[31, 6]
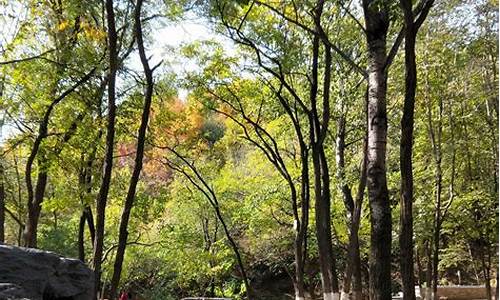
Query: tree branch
[14, 61]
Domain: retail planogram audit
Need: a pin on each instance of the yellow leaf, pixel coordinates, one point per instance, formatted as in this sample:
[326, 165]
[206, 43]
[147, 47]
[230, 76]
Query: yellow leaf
[63, 25]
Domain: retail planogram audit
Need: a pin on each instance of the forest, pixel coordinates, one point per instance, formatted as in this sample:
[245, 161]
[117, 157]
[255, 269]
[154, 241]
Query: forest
[273, 149]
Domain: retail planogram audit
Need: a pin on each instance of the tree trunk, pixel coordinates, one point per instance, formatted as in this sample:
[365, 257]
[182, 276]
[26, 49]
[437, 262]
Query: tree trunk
[437, 213]
[110, 136]
[299, 254]
[486, 271]
[301, 233]
[420, 271]
[129, 200]
[354, 259]
[323, 226]
[348, 201]
[299, 268]
[87, 217]
[300, 222]
[30, 234]
[353, 266]
[472, 260]
[236, 251]
[2, 206]
[18, 219]
[318, 128]
[377, 23]
[405, 157]
[357, 274]
[2, 187]
[437, 233]
[85, 182]
[35, 207]
[35, 198]
[428, 275]
[357, 287]
[81, 234]
[90, 223]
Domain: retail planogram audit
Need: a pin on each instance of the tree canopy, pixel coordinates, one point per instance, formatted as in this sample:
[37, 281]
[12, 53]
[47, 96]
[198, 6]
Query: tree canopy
[254, 149]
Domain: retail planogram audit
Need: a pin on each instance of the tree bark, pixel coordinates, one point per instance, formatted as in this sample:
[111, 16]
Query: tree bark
[301, 223]
[129, 200]
[90, 223]
[406, 148]
[323, 226]
[437, 231]
[2, 205]
[405, 157]
[377, 24]
[34, 209]
[353, 265]
[2, 187]
[318, 128]
[300, 220]
[420, 271]
[18, 219]
[110, 137]
[81, 241]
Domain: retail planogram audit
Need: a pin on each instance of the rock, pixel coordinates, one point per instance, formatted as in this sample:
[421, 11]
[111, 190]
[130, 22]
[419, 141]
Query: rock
[12, 291]
[32, 274]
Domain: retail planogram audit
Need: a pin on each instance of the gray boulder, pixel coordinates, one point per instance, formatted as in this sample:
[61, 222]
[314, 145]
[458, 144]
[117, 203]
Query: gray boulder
[34, 274]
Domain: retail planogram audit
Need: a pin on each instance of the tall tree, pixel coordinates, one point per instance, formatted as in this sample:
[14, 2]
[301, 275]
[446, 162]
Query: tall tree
[102, 197]
[2, 204]
[262, 139]
[141, 139]
[377, 24]
[317, 113]
[36, 196]
[406, 146]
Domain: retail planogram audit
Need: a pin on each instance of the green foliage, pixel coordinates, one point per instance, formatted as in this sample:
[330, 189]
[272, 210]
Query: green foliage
[177, 245]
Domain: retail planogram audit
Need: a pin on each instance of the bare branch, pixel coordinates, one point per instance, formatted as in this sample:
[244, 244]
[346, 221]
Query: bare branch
[14, 61]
